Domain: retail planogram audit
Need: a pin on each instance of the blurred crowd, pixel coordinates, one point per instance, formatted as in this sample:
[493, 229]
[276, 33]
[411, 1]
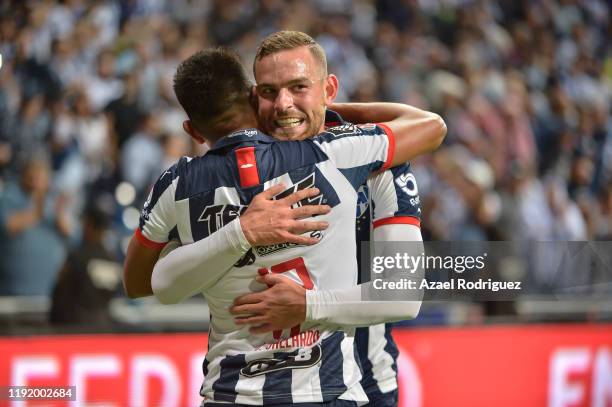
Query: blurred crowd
[88, 118]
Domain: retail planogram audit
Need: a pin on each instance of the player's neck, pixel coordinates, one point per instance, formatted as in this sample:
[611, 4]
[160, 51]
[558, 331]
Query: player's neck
[243, 118]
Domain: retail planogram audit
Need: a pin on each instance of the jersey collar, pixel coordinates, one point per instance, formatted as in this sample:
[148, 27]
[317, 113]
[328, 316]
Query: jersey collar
[241, 136]
[332, 119]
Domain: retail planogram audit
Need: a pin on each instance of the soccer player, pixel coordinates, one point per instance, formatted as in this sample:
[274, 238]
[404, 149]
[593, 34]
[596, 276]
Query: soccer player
[205, 195]
[395, 215]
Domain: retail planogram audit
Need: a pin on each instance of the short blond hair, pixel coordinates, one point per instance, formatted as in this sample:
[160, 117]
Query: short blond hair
[287, 40]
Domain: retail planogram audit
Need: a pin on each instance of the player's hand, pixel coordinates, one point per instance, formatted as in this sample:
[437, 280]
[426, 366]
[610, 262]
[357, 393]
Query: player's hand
[281, 306]
[267, 221]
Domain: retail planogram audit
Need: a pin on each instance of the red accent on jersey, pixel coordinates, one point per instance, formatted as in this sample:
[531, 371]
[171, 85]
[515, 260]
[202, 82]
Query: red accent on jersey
[147, 242]
[391, 151]
[247, 167]
[332, 124]
[398, 220]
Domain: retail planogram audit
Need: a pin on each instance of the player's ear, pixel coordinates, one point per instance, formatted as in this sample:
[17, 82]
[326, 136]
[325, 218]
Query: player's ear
[193, 132]
[331, 89]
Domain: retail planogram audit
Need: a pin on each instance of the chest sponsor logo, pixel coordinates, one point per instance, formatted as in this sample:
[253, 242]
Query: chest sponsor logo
[300, 359]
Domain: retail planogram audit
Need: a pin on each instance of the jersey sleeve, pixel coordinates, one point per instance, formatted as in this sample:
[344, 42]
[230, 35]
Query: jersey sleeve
[158, 216]
[351, 146]
[395, 197]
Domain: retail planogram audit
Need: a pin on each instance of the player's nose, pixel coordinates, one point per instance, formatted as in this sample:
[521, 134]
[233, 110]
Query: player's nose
[283, 101]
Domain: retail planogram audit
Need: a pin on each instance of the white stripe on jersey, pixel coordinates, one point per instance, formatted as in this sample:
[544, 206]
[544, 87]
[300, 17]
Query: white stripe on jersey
[382, 190]
[161, 215]
[349, 151]
[183, 222]
[356, 394]
[351, 371]
[214, 371]
[304, 384]
[382, 362]
[284, 179]
[226, 195]
[250, 387]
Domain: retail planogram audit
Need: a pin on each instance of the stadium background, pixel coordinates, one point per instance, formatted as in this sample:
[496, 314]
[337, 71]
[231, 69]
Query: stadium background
[524, 87]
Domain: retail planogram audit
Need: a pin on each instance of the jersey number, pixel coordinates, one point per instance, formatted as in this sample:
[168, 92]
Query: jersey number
[298, 265]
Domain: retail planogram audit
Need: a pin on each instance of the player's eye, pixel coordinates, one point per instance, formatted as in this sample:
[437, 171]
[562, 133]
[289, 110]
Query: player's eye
[300, 87]
[266, 92]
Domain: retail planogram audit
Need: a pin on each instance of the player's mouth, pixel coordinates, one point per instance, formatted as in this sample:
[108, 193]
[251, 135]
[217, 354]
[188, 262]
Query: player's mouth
[288, 122]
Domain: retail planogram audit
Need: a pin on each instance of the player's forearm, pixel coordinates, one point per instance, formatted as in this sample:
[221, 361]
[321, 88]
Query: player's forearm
[377, 112]
[192, 268]
[364, 304]
[417, 131]
[346, 308]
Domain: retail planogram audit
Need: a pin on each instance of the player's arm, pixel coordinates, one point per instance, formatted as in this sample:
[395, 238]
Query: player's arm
[157, 219]
[194, 267]
[183, 271]
[365, 304]
[138, 267]
[396, 219]
[416, 131]
[286, 303]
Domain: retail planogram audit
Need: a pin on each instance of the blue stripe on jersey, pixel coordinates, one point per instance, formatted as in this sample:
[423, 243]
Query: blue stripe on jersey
[205, 366]
[174, 234]
[331, 370]
[406, 191]
[204, 173]
[362, 339]
[391, 347]
[225, 386]
[362, 225]
[205, 372]
[277, 386]
[356, 175]
[332, 117]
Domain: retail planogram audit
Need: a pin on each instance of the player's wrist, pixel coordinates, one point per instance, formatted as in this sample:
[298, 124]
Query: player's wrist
[239, 235]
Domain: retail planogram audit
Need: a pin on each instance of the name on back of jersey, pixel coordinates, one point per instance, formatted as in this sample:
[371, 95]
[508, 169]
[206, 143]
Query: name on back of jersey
[217, 216]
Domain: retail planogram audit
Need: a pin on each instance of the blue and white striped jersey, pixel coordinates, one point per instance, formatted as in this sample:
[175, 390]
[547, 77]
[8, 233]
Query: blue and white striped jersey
[194, 198]
[393, 197]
